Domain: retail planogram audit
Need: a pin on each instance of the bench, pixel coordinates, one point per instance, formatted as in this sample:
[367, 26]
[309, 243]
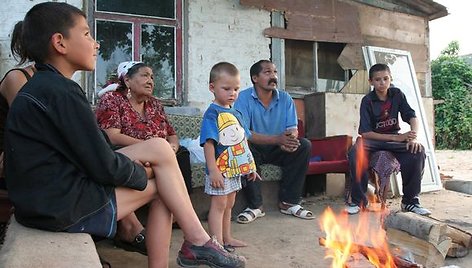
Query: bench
[188, 126]
[27, 247]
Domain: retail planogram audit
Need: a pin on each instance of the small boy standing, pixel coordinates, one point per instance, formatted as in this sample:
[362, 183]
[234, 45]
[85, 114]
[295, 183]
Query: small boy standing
[227, 153]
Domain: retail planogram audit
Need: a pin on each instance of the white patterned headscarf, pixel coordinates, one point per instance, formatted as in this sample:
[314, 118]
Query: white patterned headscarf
[122, 70]
[124, 67]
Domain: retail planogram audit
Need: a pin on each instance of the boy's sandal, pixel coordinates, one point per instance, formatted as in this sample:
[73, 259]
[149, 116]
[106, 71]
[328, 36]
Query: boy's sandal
[250, 215]
[137, 245]
[298, 211]
[104, 263]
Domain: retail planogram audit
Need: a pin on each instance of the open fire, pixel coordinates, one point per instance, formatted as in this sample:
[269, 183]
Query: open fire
[344, 239]
[413, 240]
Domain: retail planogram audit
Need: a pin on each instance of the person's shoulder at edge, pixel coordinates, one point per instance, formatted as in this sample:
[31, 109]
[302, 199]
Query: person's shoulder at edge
[13, 75]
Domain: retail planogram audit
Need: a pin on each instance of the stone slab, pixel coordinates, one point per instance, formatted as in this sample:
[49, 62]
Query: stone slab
[27, 247]
[459, 186]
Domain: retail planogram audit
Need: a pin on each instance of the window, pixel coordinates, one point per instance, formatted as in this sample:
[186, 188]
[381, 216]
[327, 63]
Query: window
[313, 66]
[148, 31]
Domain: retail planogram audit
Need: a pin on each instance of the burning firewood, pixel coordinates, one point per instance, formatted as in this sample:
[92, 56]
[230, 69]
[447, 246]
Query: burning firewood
[364, 250]
[428, 254]
[357, 260]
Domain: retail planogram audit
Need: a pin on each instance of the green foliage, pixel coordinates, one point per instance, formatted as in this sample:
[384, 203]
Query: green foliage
[452, 83]
[452, 49]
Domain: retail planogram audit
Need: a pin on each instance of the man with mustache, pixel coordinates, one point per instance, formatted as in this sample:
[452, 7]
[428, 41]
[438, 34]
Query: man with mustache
[271, 117]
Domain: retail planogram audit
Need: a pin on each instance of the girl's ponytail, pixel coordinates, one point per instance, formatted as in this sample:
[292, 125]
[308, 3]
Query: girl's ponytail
[16, 46]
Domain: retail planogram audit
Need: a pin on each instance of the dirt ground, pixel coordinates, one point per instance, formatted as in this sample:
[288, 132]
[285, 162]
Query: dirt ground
[279, 240]
[455, 164]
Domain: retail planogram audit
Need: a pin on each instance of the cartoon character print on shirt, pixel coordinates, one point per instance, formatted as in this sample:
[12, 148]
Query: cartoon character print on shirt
[236, 159]
[386, 120]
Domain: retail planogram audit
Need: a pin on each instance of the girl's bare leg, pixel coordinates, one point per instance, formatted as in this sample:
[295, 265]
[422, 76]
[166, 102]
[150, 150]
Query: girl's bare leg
[215, 216]
[170, 186]
[159, 227]
[159, 234]
[228, 239]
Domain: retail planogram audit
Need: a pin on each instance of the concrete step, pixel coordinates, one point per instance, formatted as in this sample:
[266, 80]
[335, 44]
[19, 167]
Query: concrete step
[27, 247]
[461, 186]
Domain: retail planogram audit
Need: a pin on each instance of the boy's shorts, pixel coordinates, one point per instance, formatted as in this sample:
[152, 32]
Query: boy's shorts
[101, 223]
[230, 185]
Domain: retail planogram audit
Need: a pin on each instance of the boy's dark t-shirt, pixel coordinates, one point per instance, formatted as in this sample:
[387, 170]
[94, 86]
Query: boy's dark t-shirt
[382, 116]
[60, 167]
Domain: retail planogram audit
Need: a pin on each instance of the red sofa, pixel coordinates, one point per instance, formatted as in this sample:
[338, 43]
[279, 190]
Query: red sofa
[329, 155]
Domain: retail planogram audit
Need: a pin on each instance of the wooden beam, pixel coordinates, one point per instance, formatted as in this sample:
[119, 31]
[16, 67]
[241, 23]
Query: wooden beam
[352, 58]
[329, 21]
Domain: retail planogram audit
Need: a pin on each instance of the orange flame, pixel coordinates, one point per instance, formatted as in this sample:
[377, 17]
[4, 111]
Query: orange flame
[362, 162]
[361, 159]
[343, 239]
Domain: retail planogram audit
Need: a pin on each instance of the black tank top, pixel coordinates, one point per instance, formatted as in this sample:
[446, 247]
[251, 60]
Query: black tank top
[4, 106]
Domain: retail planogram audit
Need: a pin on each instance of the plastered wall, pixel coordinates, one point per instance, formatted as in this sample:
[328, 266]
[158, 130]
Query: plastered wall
[221, 31]
[10, 13]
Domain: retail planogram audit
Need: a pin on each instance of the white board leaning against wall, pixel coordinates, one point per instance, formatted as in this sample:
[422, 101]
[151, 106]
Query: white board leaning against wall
[404, 77]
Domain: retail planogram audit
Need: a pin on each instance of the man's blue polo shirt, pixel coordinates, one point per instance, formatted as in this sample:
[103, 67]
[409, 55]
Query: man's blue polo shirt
[274, 120]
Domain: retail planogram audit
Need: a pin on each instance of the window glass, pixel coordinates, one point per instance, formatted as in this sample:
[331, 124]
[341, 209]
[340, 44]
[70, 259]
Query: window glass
[148, 31]
[330, 74]
[158, 50]
[116, 45]
[160, 8]
[328, 54]
[299, 65]
[301, 72]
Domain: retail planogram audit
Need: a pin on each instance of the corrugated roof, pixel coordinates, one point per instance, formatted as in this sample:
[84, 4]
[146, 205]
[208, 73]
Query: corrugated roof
[424, 8]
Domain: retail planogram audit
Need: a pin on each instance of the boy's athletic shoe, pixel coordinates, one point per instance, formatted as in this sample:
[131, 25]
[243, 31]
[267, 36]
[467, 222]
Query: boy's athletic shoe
[416, 208]
[211, 254]
[352, 209]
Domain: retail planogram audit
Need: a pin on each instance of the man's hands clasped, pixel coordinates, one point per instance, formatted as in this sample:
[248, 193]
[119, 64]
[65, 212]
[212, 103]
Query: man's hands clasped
[288, 141]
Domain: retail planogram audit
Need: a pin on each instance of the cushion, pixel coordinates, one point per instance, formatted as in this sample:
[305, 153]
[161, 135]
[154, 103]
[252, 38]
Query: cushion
[322, 167]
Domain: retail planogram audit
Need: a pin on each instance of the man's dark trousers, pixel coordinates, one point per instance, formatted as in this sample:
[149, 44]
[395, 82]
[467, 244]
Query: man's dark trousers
[294, 166]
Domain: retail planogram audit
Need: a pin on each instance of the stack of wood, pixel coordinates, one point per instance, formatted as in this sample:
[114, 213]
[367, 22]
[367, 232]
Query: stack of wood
[428, 239]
